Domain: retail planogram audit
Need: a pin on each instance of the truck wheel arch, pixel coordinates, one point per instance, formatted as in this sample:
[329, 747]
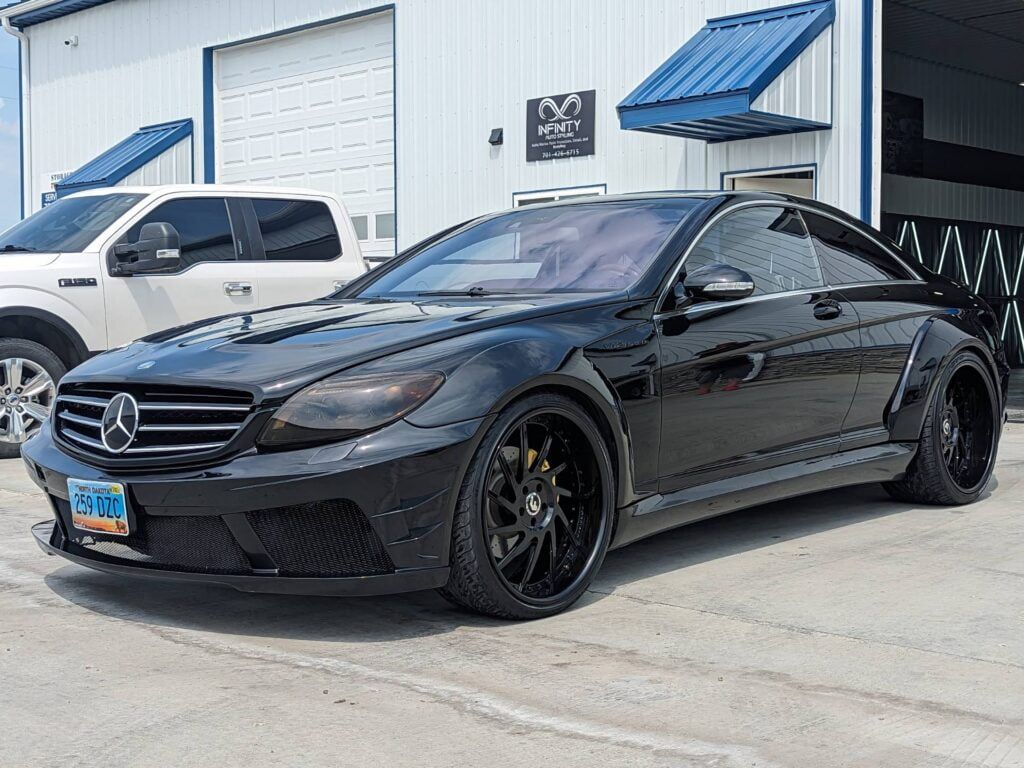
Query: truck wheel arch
[47, 329]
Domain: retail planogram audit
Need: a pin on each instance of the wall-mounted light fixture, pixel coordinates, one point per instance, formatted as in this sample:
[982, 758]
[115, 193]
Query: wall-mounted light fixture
[497, 137]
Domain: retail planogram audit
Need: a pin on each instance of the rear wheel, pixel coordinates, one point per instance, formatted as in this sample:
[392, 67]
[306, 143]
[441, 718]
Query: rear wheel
[29, 373]
[534, 514]
[957, 451]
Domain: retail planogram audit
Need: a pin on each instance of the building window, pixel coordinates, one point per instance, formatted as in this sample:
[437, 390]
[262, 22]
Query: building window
[385, 226]
[361, 224]
[800, 181]
[520, 199]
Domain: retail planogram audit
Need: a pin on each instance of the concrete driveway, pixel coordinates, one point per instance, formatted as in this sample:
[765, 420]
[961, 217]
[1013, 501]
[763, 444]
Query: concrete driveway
[840, 629]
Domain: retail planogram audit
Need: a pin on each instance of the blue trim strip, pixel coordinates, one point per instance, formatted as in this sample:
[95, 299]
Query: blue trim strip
[209, 170]
[867, 103]
[209, 155]
[55, 11]
[21, 133]
[126, 157]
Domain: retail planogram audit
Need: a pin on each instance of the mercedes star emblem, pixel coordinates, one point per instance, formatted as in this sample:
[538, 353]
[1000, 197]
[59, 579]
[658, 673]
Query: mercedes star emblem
[120, 422]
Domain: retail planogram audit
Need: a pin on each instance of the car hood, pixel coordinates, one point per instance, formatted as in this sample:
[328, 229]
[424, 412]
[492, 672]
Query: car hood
[15, 260]
[274, 352]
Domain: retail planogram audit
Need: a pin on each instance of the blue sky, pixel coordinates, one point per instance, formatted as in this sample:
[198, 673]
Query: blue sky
[10, 167]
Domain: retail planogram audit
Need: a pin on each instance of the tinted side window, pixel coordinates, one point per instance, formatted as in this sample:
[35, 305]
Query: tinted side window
[848, 256]
[769, 243]
[297, 230]
[202, 224]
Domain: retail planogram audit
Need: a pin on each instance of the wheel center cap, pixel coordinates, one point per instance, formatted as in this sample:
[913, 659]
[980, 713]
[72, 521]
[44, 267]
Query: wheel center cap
[534, 505]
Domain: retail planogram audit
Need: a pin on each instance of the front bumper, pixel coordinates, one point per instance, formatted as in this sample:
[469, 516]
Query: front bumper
[369, 517]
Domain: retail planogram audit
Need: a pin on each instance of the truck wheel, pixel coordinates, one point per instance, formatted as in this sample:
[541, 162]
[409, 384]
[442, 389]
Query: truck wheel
[29, 373]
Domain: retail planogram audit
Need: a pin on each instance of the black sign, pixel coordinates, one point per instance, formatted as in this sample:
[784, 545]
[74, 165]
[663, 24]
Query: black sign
[560, 126]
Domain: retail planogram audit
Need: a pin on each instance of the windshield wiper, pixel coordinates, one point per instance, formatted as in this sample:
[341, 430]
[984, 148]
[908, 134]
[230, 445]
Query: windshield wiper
[476, 290]
[10, 248]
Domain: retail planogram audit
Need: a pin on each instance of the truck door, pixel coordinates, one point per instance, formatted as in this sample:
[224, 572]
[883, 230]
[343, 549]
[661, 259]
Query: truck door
[212, 279]
[298, 252]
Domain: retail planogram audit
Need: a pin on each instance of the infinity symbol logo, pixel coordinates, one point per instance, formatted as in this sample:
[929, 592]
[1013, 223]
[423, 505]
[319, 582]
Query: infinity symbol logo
[548, 110]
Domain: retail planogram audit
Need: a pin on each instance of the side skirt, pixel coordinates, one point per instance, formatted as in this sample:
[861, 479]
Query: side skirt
[873, 464]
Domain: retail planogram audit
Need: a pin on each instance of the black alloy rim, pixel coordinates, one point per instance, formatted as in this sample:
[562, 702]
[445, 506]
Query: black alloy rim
[543, 507]
[966, 430]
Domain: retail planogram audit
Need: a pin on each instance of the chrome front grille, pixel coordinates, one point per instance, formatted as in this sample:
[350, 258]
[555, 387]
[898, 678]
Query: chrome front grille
[172, 421]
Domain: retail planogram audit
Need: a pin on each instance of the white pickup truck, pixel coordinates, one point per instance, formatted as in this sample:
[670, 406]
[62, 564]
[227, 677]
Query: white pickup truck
[100, 268]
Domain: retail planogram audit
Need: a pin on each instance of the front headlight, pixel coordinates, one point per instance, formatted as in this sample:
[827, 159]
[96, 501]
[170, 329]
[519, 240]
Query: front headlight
[341, 406]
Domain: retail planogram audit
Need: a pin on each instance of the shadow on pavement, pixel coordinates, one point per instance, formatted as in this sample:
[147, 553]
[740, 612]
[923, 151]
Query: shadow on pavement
[381, 619]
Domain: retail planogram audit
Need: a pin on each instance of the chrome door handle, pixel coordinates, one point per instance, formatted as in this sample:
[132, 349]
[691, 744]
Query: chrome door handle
[238, 289]
[829, 309]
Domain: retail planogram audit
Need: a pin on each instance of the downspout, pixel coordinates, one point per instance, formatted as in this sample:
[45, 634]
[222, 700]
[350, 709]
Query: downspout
[26, 116]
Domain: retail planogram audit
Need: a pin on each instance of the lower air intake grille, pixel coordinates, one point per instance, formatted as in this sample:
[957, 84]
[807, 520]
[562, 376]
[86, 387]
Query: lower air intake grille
[328, 538]
[195, 544]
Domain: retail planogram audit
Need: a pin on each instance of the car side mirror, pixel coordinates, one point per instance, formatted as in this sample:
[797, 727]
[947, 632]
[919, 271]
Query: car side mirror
[158, 250]
[718, 282]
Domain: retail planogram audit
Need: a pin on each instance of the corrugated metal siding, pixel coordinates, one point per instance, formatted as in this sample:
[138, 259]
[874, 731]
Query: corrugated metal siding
[462, 69]
[804, 89]
[960, 108]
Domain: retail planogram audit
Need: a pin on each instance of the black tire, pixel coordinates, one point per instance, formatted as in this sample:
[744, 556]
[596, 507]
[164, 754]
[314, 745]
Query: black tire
[570, 532]
[954, 460]
[41, 356]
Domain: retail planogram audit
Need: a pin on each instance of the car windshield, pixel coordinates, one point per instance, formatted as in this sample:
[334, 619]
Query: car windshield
[67, 225]
[583, 247]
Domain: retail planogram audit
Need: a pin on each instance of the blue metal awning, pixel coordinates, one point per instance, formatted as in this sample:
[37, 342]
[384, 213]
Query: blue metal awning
[709, 88]
[128, 156]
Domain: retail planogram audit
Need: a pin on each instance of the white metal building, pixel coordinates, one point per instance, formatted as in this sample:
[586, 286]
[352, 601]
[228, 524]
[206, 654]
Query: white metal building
[423, 113]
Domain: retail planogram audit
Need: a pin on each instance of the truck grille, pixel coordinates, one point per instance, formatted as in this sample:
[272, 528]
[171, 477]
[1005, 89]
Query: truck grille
[171, 421]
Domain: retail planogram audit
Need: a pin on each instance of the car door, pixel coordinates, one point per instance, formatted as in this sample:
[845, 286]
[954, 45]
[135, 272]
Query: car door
[891, 303]
[209, 281]
[762, 381]
[297, 250]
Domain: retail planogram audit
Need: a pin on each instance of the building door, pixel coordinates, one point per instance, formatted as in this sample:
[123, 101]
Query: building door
[315, 109]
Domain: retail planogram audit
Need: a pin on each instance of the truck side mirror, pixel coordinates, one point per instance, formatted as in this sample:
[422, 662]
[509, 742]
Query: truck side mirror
[158, 250]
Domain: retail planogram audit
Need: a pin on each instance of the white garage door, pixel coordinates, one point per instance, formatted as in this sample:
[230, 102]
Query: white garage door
[315, 109]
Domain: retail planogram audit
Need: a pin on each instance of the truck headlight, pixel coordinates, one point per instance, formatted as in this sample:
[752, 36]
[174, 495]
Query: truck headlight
[341, 406]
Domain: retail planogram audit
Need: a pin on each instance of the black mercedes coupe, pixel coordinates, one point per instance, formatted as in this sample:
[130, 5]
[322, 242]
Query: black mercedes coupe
[494, 409]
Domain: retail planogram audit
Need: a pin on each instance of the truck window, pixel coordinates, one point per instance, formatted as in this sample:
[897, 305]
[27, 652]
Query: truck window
[68, 225]
[202, 224]
[297, 230]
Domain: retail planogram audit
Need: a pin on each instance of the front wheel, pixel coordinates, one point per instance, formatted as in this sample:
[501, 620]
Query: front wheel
[28, 376]
[534, 515]
[957, 452]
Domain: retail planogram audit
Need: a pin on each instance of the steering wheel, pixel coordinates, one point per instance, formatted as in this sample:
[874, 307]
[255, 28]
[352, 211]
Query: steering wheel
[629, 271]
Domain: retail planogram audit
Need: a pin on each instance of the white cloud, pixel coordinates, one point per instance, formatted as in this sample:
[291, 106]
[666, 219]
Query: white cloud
[2, 102]
[9, 128]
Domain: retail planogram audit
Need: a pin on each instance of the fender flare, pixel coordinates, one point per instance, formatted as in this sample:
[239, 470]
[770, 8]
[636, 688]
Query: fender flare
[485, 384]
[74, 339]
[940, 338]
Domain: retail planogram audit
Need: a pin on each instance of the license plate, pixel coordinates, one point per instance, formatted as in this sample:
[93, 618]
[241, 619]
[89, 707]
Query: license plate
[98, 507]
